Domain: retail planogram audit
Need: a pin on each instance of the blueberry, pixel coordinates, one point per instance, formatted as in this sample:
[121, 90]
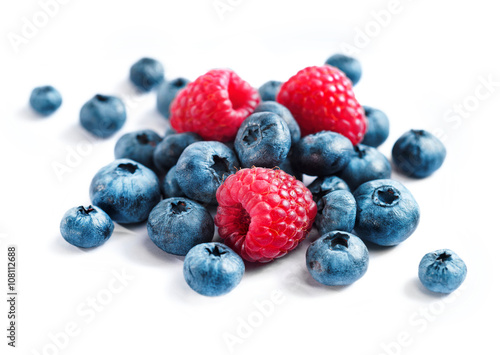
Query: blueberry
[442, 271]
[86, 227]
[203, 167]
[169, 131]
[323, 185]
[138, 146]
[170, 149]
[418, 153]
[269, 90]
[263, 140]
[366, 164]
[322, 153]
[213, 269]
[338, 213]
[166, 94]
[285, 114]
[147, 73]
[287, 167]
[103, 115]
[378, 127]
[45, 100]
[349, 65]
[177, 224]
[126, 190]
[337, 258]
[170, 186]
[387, 213]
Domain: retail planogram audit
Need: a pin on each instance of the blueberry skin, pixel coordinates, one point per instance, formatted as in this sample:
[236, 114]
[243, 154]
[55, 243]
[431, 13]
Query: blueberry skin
[442, 271]
[170, 149]
[86, 227]
[103, 115]
[213, 269]
[287, 167]
[45, 100]
[323, 185]
[387, 213]
[338, 213]
[138, 146]
[378, 127]
[285, 114]
[126, 190]
[203, 167]
[418, 153]
[263, 140]
[366, 164]
[349, 65]
[337, 259]
[166, 94]
[177, 224]
[269, 90]
[170, 186]
[147, 73]
[323, 153]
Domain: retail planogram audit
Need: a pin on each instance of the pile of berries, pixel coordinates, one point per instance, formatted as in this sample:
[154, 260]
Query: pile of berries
[245, 152]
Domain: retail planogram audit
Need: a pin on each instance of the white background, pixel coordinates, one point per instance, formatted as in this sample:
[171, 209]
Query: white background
[421, 61]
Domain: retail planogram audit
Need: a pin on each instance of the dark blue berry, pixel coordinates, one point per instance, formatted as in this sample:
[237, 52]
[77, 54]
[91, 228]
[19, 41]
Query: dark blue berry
[147, 73]
[45, 100]
[285, 114]
[349, 65]
[103, 115]
[377, 127]
[269, 90]
[138, 146]
[167, 92]
[86, 227]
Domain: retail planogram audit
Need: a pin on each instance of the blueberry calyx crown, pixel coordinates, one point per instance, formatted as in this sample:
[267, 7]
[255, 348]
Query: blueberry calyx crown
[216, 251]
[179, 207]
[418, 132]
[386, 196]
[178, 83]
[87, 210]
[128, 167]
[337, 241]
[143, 138]
[443, 257]
[361, 152]
[220, 166]
[252, 135]
[101, 98]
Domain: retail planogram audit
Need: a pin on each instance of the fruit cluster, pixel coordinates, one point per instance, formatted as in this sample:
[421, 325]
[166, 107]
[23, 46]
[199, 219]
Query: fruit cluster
[245, 152]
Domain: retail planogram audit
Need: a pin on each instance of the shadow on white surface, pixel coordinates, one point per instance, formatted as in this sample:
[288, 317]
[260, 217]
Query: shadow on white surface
[26, 112]
[416, 291]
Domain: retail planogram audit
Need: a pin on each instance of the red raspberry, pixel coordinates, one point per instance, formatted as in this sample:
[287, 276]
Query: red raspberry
[321, 99]
[263, 213]
[214, 105]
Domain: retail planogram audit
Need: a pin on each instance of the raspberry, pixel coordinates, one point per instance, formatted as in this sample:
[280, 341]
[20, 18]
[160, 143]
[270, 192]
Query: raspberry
[321, 99]
[263, 213]
[214, 105]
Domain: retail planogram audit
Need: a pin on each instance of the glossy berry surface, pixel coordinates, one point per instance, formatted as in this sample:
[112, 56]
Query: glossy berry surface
[321, 99]
[169, 150]
[45, 100]
[202, 167]
[213, 269]
[103, 115]
[387, 213]
[269, 89]
[337, 259]
[322, 153]
[366, 164]
[126, 190]
[442, 271]
[86, 227]
[418, 153]
[166, 94]
[214, 105]
[263, 140]
[263, 213]
[138, 146]
[285, 114]
[147, 73]
[177, 224]
[377, 129]
[338, 212]
[349, 65]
